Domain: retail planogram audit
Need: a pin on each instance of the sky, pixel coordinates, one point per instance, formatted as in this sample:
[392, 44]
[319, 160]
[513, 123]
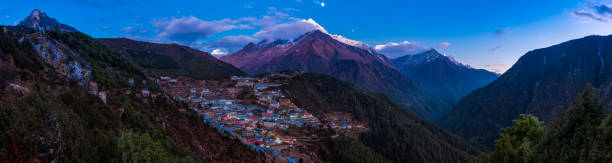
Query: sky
[489, 34]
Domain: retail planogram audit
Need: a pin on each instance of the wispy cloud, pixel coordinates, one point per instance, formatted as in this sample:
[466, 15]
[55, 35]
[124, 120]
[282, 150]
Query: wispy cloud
[232, 43]
[603, 9]
[501, 31]
[195, 32]
[287, 31]
[443, 45]
[289, 9]
[495, 67]
[584, 14]
[190, 29]
[496, 48]
[597, 12]
[127, 29]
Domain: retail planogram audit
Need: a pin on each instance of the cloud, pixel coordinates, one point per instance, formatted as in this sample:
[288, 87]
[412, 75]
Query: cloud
[598, 12]
[443, 45]
[196, 33]
[501, 31]
[495, 67]
[104, 4]
[496, 48]
[232, 43]
[128, 29]
[287, 31]
[218, 52]
[394, 50]
[190, 29]
[291, 9]
[584, 14]
[603, 9]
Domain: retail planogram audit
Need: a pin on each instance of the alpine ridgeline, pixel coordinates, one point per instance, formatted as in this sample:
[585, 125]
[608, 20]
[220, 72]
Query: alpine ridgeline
[442, 75]
[320, 52]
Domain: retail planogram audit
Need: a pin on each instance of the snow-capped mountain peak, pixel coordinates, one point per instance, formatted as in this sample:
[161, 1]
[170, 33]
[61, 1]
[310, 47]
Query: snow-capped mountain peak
[339, 38]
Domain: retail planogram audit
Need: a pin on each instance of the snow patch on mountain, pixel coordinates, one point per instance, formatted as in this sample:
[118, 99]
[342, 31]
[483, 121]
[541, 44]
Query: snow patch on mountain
[339, 38]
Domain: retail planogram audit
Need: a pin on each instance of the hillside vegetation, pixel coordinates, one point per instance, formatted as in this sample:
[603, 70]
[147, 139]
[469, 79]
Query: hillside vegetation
[47, 117]
[172, 60]
[394, 133]
[584, 134]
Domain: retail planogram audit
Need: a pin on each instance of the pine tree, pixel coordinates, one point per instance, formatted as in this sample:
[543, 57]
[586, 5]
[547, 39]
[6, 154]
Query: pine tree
[516, 143]
[606, 138]
[576, 136]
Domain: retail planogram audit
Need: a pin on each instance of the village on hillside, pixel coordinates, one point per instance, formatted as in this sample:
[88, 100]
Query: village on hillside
[255, 110]
[251, 109]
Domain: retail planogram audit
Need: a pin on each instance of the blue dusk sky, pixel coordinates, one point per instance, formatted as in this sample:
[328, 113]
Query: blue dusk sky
[489, 34]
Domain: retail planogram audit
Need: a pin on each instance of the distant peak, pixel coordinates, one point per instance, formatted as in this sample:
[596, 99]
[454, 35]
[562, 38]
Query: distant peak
[432, 50]
[36, 12]
[315, 24]
[320, 32]
[426, 57]
[39, 20]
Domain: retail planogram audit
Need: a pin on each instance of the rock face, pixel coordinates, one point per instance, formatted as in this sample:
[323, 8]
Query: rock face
[542, 82]
[320, 52]
[172, 59]
[442, 75]
[39, 20]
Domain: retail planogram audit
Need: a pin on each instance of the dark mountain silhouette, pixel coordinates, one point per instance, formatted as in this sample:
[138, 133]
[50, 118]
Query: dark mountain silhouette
[39, 20]
[542, 82]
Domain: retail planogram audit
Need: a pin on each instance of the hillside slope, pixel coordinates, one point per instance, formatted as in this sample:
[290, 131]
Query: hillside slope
[542, 82]
[172, 59]
[87, 112]
[394, 132]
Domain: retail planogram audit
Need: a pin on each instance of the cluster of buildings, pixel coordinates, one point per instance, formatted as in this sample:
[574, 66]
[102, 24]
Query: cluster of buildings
[166, 80]
[259, 122]
[255, 125]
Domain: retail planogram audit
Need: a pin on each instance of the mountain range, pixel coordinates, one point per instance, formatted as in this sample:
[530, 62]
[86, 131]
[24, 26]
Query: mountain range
[65, 97]
[320, 52]
[443, 75]
[127, 123]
